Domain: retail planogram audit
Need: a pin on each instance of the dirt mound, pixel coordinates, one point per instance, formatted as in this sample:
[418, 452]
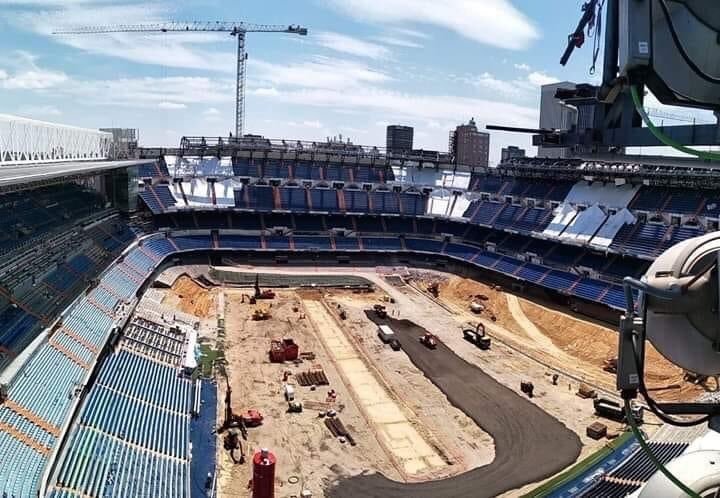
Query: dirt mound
[461, 291]
[594, 344]
[191, 297]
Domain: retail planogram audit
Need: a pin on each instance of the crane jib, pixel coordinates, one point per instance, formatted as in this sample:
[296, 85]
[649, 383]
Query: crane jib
[234, 28]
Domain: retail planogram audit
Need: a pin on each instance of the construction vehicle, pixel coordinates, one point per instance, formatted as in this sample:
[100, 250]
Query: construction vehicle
[252, 418]
[394, 344]
[266, 294]
[477, 307]
[614, 411]
[477, 335]
[295, 407]
[434, 289]
[385, 333]
[283, 350]
[692, 377]
[380, 310]
[527, 387]
[231, 420]
[610, 365]
[260, 314]
[232, 443]
[428, 340]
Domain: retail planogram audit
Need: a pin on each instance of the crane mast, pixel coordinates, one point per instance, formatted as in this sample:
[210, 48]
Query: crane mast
[237, 29]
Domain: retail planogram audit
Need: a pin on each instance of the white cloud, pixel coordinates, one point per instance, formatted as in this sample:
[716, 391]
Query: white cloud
[398, 42]
[27, 75]
[312, 124]
[522, 67]
[37, 111]
[525, 87]
[350, 45]
[320, 72]
[267, 92]
[493, 22]
[211, 112]
[171, 105]
[178, 50]
[539, 79]
[410, 32]
[397, 105]
[165, 93]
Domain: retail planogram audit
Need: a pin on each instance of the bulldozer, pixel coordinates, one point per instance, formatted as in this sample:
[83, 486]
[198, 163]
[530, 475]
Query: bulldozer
[475, 334]
[261, 313]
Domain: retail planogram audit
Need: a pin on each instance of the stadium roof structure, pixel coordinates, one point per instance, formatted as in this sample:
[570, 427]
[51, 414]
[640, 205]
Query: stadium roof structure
[20, 177]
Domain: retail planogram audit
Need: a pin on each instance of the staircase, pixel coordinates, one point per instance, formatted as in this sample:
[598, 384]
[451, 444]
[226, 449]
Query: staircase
[182, 192]
[70, 355]
[211, 185]
[341, 200]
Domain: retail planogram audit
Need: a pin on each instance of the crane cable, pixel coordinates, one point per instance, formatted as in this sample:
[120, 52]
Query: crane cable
[654, 459]
[666, 140]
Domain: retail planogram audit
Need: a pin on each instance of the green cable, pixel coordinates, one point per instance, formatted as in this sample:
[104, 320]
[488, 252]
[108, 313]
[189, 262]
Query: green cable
[709, 156]
[643, 444]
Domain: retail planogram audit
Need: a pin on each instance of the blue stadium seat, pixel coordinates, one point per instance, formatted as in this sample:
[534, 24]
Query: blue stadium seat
[381, 243]
[424, 245]
[486, 211]
[324, 199]
[228, 241]
[356, 201]
[276, 242]
[260, 197]
[312, 243]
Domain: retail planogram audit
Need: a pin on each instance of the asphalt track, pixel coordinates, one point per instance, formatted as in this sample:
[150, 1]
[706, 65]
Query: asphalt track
[530, 445]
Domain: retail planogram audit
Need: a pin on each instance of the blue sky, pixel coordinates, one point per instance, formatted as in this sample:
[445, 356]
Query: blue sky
[431, 64]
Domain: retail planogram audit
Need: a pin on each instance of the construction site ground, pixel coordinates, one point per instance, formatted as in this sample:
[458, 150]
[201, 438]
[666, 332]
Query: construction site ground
[457, 439]
[305, 448]
[571, 343]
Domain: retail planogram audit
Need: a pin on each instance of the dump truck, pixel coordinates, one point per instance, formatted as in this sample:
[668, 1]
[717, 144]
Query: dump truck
[476, 335]
[428, 340]
[385, 334]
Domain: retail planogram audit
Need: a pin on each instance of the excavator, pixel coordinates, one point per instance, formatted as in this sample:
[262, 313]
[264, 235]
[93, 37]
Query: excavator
[236, 426]
[266, 294]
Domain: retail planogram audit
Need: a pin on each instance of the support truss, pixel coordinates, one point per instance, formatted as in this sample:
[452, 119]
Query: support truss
[27, 141]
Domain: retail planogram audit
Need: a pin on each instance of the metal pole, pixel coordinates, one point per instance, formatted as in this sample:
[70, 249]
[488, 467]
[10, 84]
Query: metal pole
[610, 57]
[240, 85]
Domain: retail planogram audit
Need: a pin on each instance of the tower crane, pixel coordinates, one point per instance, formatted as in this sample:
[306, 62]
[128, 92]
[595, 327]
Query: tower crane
[237, 29]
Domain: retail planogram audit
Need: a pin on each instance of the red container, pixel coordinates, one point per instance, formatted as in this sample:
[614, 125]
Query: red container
[291, 349]
[263, 482]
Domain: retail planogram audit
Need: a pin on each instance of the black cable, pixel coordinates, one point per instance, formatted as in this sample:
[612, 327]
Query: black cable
[596, 35]
[652, 404]
[676, 39]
